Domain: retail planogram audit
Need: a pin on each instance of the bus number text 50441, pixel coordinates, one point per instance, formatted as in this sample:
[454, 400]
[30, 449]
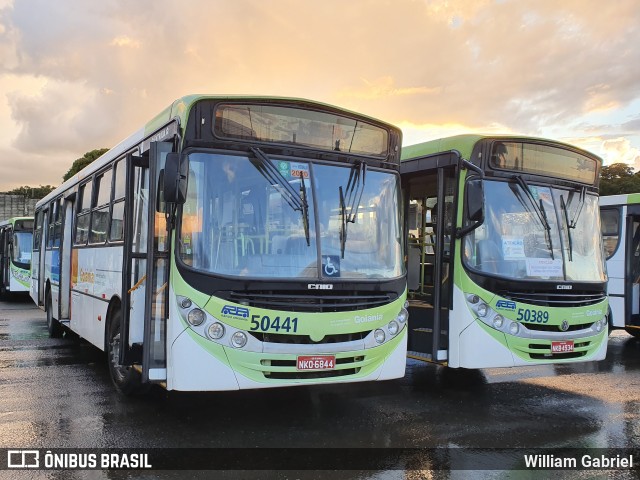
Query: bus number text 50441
[266, 324]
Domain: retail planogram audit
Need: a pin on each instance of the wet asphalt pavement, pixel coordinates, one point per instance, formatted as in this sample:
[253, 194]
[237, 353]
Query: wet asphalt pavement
[56, 393]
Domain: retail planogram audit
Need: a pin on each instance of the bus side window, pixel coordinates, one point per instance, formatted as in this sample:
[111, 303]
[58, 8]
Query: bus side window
[83, 214]
[116, 231]
[100, 212]
[610, 230]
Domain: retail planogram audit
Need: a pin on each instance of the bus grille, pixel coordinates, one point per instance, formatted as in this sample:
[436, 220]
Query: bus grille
[354, 362]
[573, 299]
[556, 328]
[306, 340]
[312, 302]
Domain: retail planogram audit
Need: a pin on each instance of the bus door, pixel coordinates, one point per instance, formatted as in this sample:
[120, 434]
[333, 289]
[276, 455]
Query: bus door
[65, 257]
[632, 267]
[431, 195]
[145, 267]
[4, 259]
[44, 215]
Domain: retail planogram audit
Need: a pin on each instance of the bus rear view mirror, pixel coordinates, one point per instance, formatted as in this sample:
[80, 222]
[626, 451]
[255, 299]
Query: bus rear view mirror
[175, 178]
[475, 201]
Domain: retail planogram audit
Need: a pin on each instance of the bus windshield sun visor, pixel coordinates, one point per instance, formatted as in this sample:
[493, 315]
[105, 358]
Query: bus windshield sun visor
[355, 187]
[297, 201]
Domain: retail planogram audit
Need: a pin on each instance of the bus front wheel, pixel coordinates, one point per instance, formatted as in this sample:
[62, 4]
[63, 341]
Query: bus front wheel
[125, 378]
[53, 326]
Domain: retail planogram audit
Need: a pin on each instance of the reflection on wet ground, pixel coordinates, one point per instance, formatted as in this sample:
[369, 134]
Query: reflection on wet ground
[56, 393]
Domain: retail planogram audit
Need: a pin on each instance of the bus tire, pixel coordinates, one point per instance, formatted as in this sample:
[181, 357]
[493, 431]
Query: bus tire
[126, 379]
[53, 326]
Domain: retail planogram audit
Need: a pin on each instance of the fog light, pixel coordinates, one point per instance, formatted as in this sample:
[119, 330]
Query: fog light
[216, 331]
[514, 328]
[393, 327]
[473, 299]
[498, 321]
[482, 310]
[185, 303]
[239, 339]
[196, 317]
[402, 316]
[379, 335]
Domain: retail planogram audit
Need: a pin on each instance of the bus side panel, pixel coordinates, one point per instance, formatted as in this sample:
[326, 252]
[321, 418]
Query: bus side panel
[35, 275]
[98, 280]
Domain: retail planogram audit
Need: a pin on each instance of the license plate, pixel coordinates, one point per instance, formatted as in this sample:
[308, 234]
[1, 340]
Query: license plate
[317, 362]
[565, 346]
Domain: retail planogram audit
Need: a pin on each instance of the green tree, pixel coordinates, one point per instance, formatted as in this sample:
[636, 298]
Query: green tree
[618, 178]
[83, 161]
[32, 192]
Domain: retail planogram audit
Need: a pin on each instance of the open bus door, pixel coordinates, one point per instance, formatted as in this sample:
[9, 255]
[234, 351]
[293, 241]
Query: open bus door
[632, 272]
[145, 267]
[430, 187]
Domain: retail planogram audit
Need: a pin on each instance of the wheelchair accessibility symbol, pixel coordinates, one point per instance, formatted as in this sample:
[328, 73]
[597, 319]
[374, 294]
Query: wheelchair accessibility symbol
[331, 265]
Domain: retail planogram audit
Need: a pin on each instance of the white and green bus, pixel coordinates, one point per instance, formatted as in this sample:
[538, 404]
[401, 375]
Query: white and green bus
[15, 254]
[505, 262]
[233, 243]
[620, 218]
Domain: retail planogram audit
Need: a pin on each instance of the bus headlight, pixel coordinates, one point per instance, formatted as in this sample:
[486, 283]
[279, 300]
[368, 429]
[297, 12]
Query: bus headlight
[185, 303]
[393, 327]
[599, 326]
[498, 321]
[196, 317]
[514, 328]
[216, 331]
[402, 316]
[482, 310]
[239, 339]
[473, 299]
[379, 335]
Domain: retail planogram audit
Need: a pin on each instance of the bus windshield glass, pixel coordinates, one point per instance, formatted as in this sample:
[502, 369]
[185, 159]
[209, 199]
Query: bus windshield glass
[544, 160]
[327, 131]
[239, 221]
[21, 255]
[555, 240]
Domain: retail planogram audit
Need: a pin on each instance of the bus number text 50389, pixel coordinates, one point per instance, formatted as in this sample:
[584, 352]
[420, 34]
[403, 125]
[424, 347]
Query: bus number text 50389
[263, 323]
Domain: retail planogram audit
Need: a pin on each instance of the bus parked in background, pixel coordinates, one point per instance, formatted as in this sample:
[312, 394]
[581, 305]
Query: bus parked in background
[505, 261]
[620, 218]
[15, 254]
[233, 243]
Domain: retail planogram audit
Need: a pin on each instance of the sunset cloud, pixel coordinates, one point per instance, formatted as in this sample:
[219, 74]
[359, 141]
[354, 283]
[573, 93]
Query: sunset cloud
[79, 75]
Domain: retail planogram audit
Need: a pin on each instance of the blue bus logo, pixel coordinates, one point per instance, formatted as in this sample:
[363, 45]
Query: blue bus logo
[505, 305]
[234, 311]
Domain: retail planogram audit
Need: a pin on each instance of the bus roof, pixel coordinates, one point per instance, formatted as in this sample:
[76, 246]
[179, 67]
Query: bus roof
[624, 199]
[464, 144]
[13, 220]
[180, 109]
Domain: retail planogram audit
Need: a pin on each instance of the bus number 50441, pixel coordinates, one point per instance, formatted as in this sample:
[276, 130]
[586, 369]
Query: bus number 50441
[265, 324]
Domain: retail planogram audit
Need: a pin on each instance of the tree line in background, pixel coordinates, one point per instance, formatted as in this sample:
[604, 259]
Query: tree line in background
[43, 190]
[615, 179]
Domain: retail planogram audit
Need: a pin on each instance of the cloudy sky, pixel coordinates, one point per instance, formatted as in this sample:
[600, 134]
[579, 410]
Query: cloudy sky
[76, 75]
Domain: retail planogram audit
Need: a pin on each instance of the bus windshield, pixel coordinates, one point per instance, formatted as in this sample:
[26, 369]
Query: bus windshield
[21, 256]
[238, 220]
[546, 234]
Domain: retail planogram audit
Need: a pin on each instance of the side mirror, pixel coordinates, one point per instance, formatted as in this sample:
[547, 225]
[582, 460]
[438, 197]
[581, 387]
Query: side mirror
[175, 178]
[474, 199]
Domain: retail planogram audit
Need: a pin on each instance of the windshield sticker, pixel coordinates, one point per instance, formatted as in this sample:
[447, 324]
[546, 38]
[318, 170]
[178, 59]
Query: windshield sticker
[513, 248]
[331, 265]
[285, 169]
[544, 267]
[299, 169]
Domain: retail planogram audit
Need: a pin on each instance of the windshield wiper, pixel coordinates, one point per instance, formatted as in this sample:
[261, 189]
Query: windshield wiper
[574, 221]
[296, 200]
[569, 227]
[354, 189]
[540, 212]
